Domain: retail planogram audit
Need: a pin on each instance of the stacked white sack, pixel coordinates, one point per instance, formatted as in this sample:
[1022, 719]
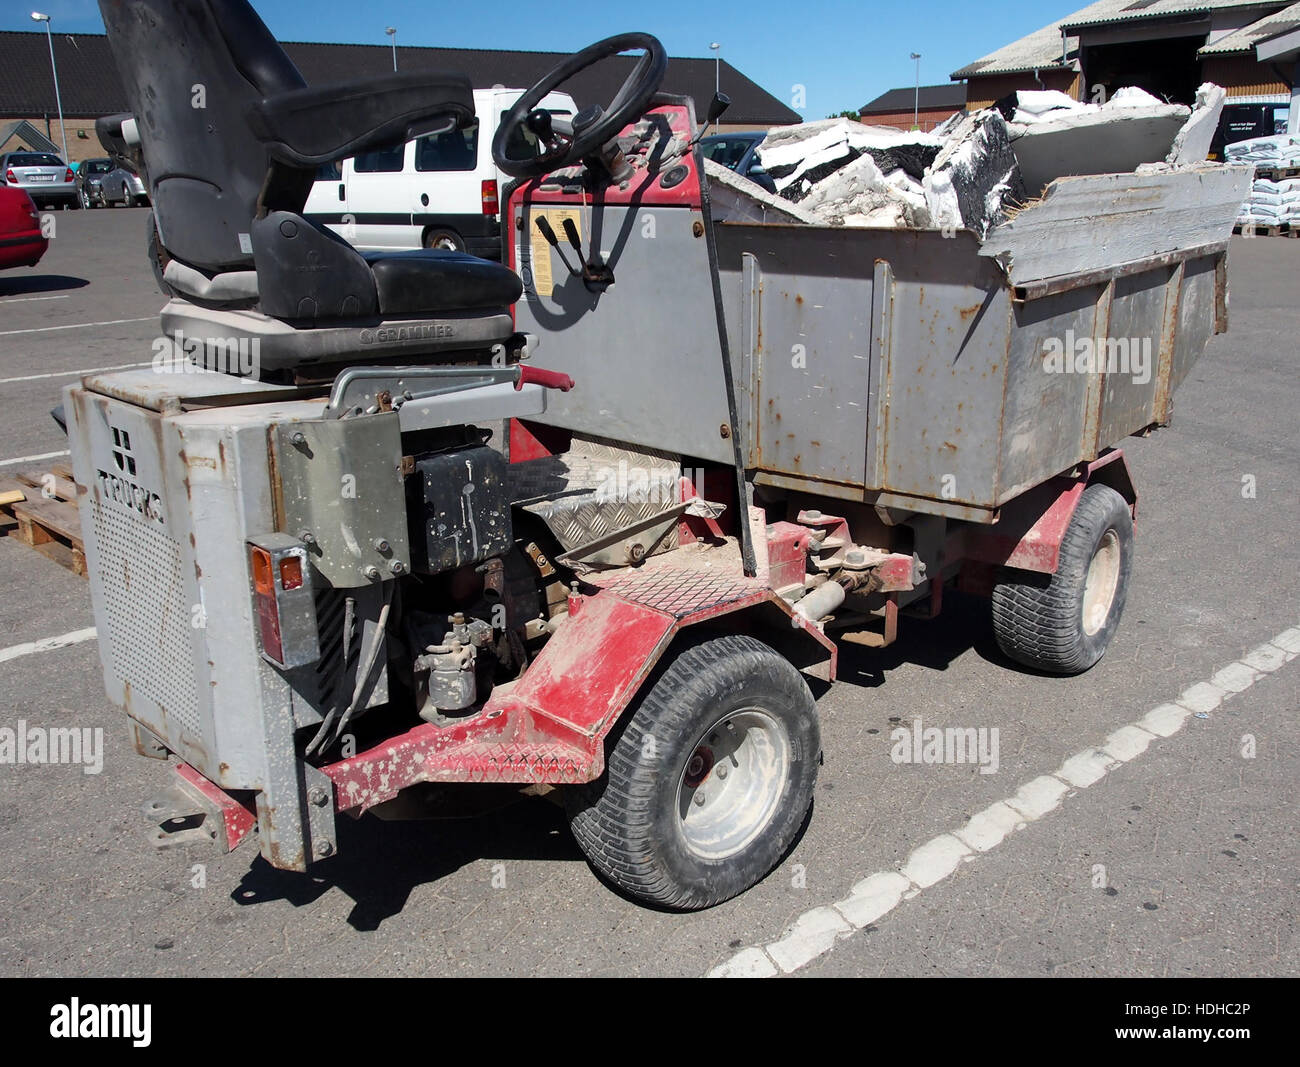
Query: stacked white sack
[1273, 202]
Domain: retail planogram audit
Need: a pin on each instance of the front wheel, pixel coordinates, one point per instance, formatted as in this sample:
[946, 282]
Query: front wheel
[1062, 623]
[710, 781]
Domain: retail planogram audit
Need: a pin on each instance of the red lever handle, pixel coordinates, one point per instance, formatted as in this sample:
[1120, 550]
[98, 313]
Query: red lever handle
[547, 379]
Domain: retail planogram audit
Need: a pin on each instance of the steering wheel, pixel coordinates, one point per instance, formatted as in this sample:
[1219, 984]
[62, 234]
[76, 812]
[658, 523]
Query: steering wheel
[565, 145]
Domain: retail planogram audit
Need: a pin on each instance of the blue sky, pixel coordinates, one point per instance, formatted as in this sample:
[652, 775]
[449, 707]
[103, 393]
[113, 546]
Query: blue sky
[843, 53]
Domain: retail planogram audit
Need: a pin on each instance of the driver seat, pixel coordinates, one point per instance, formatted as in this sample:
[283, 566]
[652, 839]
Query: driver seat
[231, 138]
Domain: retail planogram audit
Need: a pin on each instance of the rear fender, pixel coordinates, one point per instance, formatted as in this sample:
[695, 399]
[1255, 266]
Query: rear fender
[1028, 533]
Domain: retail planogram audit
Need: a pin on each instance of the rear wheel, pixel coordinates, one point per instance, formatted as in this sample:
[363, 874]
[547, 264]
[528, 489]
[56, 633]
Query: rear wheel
[1064, 622]
[709, 782]
[446, 240]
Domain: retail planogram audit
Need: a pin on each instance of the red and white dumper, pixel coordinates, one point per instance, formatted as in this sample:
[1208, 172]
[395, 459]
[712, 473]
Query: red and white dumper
[585, 519]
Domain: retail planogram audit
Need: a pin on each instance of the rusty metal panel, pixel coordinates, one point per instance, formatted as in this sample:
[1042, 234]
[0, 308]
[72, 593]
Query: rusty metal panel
[171, 592]
[940, 432]
[810, 368]
[1198, 307]
[1046, 418]
[342, 491]
[1136, 351]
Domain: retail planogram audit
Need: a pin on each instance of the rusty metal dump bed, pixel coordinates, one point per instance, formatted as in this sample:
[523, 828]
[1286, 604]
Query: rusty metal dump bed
[945, 375]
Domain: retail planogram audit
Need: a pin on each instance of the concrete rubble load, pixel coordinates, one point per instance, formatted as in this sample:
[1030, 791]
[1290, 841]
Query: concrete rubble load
[974, 171]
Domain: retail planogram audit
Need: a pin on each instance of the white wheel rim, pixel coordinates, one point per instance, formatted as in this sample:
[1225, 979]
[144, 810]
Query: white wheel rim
[732, 784]
[1101, 582]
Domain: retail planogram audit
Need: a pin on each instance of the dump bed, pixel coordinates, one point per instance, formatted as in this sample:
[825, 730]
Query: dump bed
[939, 373]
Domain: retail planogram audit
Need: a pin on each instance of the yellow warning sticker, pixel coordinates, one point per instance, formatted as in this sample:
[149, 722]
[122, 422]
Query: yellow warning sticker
[540, 251]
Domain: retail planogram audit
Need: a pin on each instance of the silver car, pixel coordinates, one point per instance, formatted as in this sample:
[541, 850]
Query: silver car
[41, 175]
[122, 186]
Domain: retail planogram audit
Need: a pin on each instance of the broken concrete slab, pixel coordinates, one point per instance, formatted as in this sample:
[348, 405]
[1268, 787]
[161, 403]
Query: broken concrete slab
[798, 157]
[1192, 142]
[1094, 140]
[975, 176]
[737, 199]
[860, 195]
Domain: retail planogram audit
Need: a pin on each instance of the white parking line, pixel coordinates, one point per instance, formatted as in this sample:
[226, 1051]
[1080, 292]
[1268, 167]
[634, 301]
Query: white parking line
[74, 373]
[48, 644]
[76, 326]
[815, 932]
[27, 299]
[33, 459]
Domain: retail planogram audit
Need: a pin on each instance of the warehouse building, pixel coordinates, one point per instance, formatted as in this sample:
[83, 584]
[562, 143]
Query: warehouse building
[908, 108]
[90, 87]
[1167, 47]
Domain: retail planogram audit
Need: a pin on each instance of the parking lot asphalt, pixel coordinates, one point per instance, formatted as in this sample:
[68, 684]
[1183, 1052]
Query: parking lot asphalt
[1179, 861]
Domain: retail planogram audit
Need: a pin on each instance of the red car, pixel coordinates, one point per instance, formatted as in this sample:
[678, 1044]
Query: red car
[21, 242]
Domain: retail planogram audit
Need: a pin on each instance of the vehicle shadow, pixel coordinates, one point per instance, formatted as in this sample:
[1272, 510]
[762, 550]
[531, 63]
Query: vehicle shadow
[39, 283]
[963, 625]
[380, 862]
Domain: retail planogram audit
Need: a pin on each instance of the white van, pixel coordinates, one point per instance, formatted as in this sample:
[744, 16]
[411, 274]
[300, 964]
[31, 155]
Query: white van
[438, 191]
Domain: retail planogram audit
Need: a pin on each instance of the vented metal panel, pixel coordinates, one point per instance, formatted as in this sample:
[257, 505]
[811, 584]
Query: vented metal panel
[150, 640]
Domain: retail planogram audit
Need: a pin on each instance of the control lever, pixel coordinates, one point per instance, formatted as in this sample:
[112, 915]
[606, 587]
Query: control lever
[571, 232]
[595, 274]
[544, 228]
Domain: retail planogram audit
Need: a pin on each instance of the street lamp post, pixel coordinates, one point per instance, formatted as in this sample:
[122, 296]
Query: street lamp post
[716, 48]
[916, 100]
[392, 36]
[58, 100]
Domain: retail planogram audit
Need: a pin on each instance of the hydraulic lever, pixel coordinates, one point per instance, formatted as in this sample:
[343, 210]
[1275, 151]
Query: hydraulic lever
[595, 273]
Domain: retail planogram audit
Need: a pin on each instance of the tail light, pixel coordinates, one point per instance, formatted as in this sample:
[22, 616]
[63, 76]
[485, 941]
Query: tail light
[283, 601]
[9, 177]
[68, 175]
[491, 204]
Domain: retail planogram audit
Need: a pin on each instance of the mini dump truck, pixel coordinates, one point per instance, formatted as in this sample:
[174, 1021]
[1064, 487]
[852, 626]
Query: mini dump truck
[383, 528]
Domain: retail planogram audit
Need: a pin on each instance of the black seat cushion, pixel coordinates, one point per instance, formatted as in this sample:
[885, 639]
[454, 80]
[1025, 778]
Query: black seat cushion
[429, 281]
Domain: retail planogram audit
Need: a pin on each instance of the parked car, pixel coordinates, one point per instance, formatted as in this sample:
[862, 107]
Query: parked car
[21, 241]
[90, 174]
[123, 186]
[438, 191]
[739, 152]
[42, 175]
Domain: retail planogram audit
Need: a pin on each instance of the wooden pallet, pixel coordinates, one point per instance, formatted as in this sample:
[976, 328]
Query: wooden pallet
[46, 518]
[1277, 174]
[1282, 229]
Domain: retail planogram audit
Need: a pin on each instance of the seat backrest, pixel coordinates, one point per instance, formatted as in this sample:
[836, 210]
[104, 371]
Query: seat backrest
[191, 69]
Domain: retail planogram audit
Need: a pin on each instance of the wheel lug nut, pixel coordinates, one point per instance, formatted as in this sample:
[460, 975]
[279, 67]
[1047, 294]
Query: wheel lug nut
[699, 799]
[722, 770]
